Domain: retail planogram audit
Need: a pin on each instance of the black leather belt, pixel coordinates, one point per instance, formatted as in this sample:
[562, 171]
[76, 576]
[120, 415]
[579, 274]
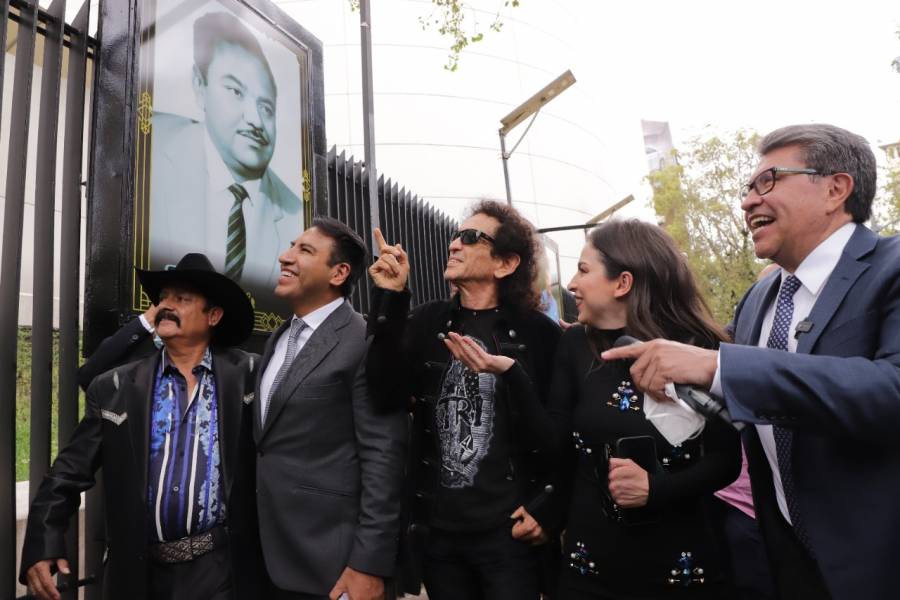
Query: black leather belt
[188, 548]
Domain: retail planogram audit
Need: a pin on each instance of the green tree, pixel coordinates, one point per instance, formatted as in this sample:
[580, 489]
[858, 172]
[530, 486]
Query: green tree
[458, 21]
[698, 200]
[886, 210]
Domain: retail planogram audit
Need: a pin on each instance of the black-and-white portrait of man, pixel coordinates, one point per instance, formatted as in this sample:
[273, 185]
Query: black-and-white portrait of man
[214, 186]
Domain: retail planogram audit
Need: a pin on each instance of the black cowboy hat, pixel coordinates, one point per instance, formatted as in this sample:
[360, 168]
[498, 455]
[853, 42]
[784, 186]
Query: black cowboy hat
[195, 271]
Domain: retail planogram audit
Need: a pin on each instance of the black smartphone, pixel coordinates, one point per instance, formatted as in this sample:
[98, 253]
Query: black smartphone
[639, 448]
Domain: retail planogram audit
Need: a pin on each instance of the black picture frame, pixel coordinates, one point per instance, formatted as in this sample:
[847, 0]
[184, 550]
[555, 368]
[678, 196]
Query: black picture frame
[117, 224]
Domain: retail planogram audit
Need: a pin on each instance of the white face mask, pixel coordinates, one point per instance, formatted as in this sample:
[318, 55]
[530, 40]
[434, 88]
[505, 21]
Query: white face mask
[675, 420]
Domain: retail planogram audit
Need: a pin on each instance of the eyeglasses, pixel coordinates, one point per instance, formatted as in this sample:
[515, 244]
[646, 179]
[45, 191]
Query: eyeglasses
[765, 181]
[471, 236]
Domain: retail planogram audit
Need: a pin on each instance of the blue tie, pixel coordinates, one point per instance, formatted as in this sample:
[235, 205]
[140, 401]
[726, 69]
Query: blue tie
[778, 338]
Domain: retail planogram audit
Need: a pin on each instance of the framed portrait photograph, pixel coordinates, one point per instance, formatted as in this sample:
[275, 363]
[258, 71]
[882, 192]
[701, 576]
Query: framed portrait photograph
[224, 144]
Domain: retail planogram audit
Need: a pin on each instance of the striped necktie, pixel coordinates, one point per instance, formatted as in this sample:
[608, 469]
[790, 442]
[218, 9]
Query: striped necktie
[784, 438]
[297, 326]
[236, 238]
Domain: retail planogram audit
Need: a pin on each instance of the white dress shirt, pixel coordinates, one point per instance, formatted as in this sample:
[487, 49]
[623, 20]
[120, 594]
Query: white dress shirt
[312, 320]
[259, 215]
[813, 272]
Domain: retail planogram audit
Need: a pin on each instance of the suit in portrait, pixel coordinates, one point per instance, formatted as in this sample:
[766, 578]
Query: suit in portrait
[114, 436]
[840, 395]
[179, 214]
[328, 464]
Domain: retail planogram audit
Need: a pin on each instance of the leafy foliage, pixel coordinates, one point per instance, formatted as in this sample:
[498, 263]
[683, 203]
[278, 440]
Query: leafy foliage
[698, 199]
[459, 22]
[886, 211]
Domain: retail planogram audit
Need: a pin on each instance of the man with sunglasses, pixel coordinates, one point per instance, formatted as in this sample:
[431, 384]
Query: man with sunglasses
[815, 368]
[475, 368]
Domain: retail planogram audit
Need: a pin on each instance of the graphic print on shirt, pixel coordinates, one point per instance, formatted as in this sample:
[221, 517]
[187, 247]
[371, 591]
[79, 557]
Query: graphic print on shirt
[465, 422]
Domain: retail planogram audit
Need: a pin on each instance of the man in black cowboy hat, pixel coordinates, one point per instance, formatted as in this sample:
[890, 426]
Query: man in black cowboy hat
[170, 434]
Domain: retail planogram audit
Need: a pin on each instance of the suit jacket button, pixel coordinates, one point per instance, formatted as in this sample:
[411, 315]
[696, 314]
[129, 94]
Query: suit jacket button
[135, 337]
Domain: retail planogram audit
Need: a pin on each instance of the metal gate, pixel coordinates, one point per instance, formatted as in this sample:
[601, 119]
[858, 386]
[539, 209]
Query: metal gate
[59, 55]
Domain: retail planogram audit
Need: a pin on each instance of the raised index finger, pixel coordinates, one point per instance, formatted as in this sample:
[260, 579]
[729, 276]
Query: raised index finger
[379, 239]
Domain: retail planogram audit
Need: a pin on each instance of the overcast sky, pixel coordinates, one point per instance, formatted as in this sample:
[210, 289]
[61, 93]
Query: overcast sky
[759, 64]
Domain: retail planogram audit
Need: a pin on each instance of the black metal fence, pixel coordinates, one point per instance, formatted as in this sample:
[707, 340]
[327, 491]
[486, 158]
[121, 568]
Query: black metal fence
[62, 53]
[423, 231]
[26, 29]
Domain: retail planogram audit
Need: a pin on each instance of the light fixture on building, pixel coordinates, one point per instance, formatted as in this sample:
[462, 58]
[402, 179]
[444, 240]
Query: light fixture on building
[530, 107]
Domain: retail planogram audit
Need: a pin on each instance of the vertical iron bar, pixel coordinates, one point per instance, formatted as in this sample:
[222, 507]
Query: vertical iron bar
[10, 273]
[415, 242]
[341, 173]
[70, 259]
[359, 202]
[432, 254]
[332, 182]
[368, 197]
[42, 274]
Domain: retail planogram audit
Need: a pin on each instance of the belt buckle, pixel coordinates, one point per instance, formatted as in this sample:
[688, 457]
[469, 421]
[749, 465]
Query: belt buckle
[201, 544]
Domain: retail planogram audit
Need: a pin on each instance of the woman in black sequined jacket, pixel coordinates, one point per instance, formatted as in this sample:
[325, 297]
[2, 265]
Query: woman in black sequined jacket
[634, 531]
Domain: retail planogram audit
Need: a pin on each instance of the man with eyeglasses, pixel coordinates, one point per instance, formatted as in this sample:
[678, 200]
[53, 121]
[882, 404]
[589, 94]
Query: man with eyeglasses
[815, 368]
[476, 368]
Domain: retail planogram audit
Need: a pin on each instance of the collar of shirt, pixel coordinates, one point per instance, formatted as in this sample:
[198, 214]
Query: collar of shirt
[165, 365]
[318, 316]
[218, 175]
[813, 272]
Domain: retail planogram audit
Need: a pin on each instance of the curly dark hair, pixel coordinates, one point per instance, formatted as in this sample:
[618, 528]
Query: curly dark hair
[516, 235]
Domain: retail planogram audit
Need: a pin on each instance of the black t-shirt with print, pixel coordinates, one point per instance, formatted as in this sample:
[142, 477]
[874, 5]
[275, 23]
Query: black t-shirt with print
[477, 489]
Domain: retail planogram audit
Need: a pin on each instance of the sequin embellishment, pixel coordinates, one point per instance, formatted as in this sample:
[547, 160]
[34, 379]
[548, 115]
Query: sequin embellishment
[625, 398]
[686, 574]
[580, 560]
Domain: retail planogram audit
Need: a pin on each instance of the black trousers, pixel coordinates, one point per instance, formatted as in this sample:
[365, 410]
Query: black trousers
[748, 563]
[205, 578]
[487, 565]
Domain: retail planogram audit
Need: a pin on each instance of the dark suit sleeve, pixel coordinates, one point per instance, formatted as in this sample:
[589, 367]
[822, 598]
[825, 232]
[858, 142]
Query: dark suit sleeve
[58, 498]
[381, 437]
[856, 397]
[718, 467]
[130, 342]
[563, 396]
[388, 364]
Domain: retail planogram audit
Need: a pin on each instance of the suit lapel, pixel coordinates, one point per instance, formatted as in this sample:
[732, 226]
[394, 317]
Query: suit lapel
[229, 396]
[766, 291]
[264, 364]
[322, 342]
[845, 274]
[138, 393]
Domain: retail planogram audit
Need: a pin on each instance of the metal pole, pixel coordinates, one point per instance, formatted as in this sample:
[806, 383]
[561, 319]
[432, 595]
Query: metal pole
[365, 39]
[505, 158]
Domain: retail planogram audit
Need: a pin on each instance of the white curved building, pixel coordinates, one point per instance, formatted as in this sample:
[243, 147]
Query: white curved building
[436, 130]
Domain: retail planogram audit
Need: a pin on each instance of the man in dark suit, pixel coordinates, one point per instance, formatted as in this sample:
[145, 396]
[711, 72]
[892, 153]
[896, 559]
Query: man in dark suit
[329, 465]
[815, 368]
[170, 434]
[211, 181]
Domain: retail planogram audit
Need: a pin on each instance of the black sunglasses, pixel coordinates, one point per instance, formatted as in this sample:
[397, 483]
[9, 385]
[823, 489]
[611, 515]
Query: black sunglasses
[471, 236]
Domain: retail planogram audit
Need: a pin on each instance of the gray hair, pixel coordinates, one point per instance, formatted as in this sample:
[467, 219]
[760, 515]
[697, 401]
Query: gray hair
[830, 149]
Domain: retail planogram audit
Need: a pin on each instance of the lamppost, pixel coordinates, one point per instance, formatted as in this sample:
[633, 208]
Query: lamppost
[368, 96]
[530, 107]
